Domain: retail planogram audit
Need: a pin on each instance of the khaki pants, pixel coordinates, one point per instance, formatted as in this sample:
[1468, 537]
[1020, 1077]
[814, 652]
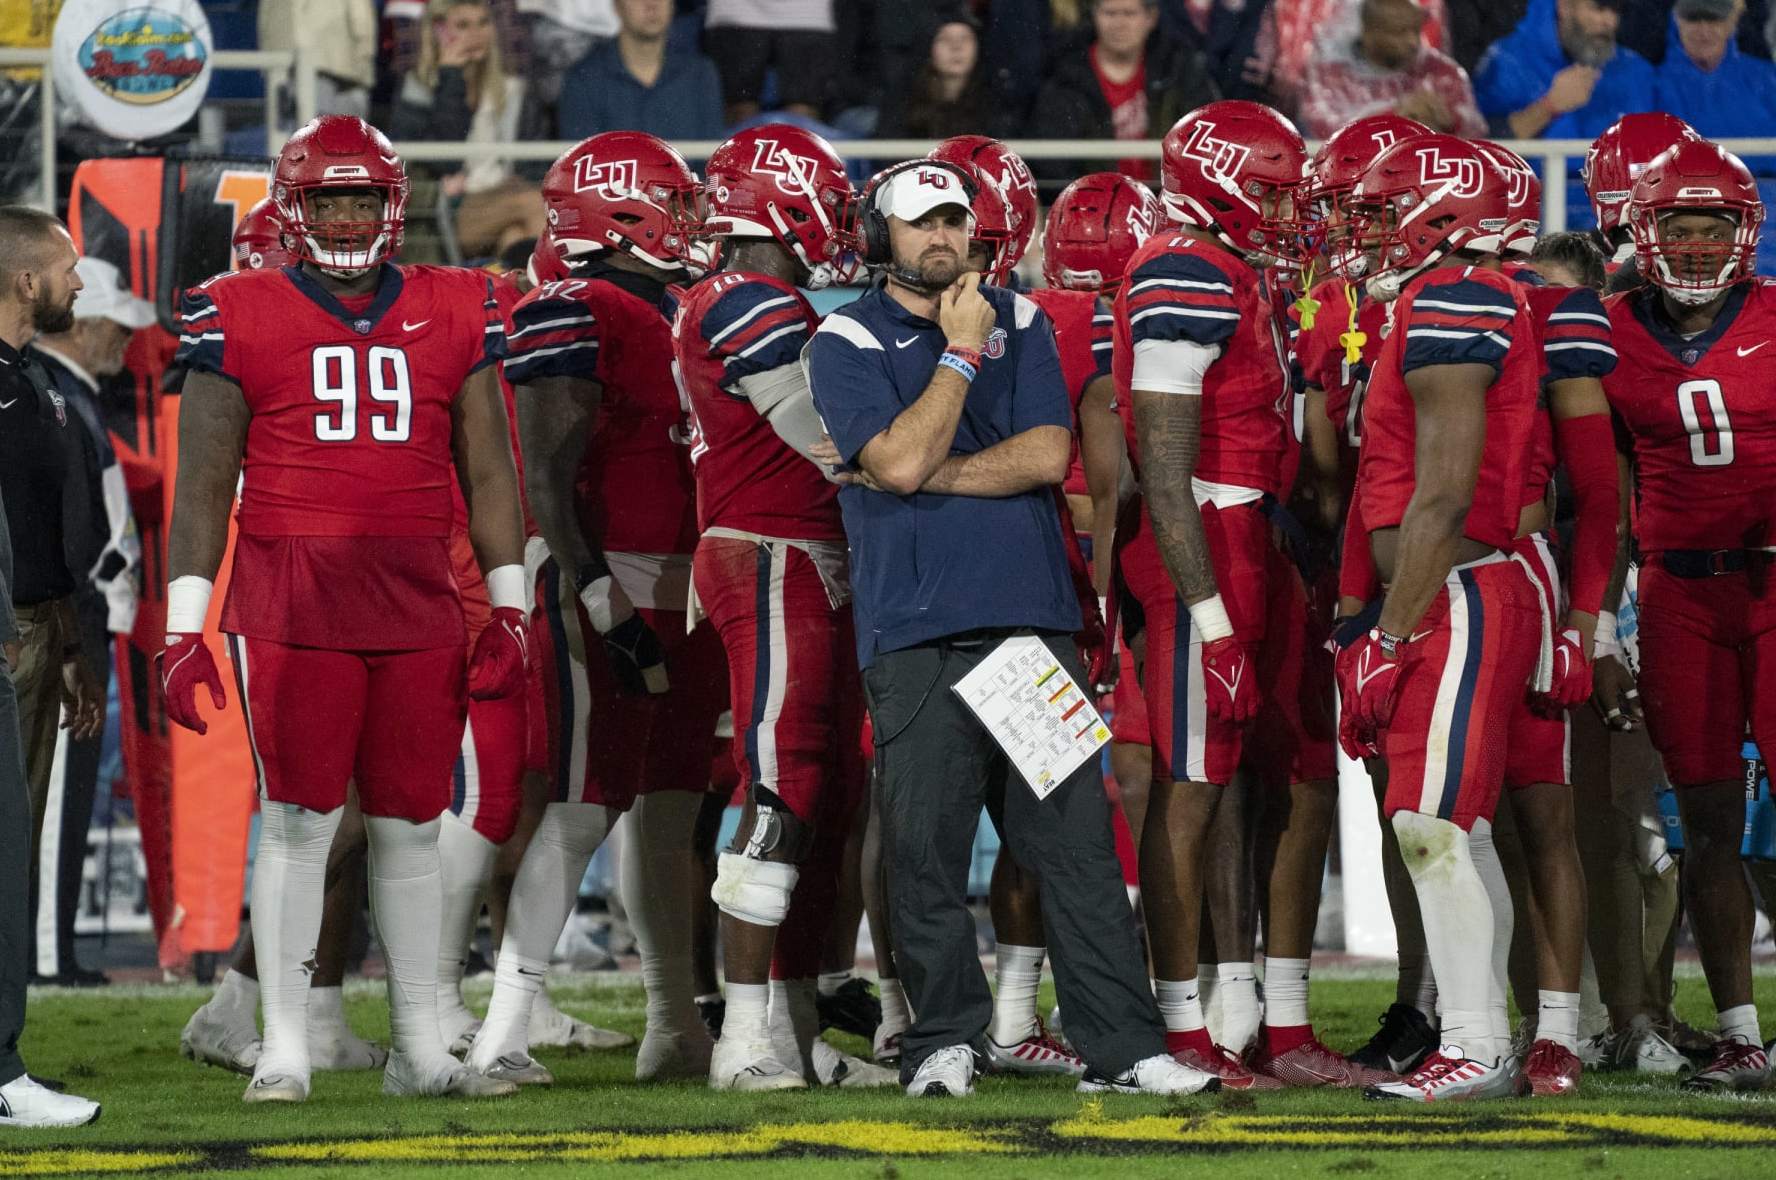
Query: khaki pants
[38, 681]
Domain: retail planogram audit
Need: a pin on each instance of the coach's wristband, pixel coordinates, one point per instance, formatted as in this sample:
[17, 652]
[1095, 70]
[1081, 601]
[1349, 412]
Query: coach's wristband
[971, 355]
[188, 602]
[951, 361]
[1605, 642]
[1210, 617]
[505, 587]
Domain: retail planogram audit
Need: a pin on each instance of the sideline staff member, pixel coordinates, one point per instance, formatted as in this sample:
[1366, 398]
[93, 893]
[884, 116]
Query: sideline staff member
[946, 398]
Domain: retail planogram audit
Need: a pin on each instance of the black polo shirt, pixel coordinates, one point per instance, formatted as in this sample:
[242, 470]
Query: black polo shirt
[35, 462]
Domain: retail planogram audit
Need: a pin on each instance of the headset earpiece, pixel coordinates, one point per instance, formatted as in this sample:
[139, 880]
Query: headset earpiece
[876, 250]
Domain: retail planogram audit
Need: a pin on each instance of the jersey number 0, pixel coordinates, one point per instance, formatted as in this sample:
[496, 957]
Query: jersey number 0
[336, 381]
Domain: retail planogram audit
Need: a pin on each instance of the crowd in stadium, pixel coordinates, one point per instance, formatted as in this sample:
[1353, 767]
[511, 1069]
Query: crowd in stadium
[1294, 448]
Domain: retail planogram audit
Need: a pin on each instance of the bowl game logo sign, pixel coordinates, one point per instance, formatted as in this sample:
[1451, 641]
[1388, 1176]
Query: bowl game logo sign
[136, 69]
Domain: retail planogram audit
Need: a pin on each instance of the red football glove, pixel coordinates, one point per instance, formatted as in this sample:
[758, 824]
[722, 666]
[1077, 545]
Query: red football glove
[1572, 675]
[1370, 680]
[1096, 651]
[185, 663]
[496, 670]
[1229, 680]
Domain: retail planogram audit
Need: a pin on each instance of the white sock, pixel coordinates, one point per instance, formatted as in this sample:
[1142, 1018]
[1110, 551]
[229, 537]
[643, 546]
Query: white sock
[1741, 1024]
[830, 982]
[1458, 928]
[1180, 1002]
[1498, 895]
[1237, 986]
[237, 994]
[748, 1012]
[1418, 985]
[406, 898]
[1209, 989]
[1285, 992]
[660, 880]
[326, 1011]
[1557, 1019]
[543, 895]
[465, 858]
[897, 1016]
[795, 1024]
[289, 881]
[1017, 976]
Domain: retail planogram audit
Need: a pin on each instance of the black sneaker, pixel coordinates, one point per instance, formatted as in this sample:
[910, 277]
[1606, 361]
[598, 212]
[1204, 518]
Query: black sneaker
[1403, 1042]
[712, 1012]
[853, 1008]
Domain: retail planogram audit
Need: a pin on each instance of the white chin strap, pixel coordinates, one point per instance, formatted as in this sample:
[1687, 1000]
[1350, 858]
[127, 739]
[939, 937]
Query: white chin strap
[1387, 285]
[345, 264]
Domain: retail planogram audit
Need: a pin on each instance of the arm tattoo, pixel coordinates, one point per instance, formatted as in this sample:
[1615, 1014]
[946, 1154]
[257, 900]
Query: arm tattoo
[1168, 429]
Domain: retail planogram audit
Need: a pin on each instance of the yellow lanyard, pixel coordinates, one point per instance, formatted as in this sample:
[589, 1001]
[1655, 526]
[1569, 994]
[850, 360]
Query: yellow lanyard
[1352, 339]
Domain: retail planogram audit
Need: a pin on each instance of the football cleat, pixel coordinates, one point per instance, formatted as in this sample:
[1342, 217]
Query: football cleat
[1552, 1070]
[521, 1069]
[1643, 1050]
[885, 1045]
[1037, 1053]
[1313, 1064]
[276, 1086]
[463, 1042]
[27, 1102]
[853, 1008]
[1599, 1051]
[406, 1077]
[551, 1028]
[212, 1038]
[750, 1066]
[1685, 1038]
[1401, 1045]
[1446, 1076]
[1735, 1066]
[665, 1055]
[833, 1067]
[1162, 1074]
[335, 1047]
[1222, 1064]
[947, 1073]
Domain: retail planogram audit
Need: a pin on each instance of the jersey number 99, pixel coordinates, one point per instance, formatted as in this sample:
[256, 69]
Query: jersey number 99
[336, 382]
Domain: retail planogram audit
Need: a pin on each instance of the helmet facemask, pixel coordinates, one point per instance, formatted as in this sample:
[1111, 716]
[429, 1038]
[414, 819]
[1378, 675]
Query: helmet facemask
[1695, 254]
[342, 247]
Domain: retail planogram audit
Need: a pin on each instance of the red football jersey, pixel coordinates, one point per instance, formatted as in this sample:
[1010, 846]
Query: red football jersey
[1574, 334]
[1182, 288]
[1704, 439]
[1325, 360]
[1453, 316]
[636, 476]
[732, 326]
[1084, 336]
[350, 438]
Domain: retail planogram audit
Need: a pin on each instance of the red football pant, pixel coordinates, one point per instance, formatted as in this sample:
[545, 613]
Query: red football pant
[1296, 718]
[1128, 708]
[609, 747]
[1540, 748]
[1460, 682]
[1707, 650]
[487, 781]
[319, 719]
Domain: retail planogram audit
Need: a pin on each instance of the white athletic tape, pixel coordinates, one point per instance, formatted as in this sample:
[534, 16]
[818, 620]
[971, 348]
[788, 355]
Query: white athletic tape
[755, 891]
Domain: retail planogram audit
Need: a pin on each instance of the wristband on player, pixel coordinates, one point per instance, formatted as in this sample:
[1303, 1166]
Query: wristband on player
[971, 355]
[1210, 617]
[950, 360]
[505, 587]
[188, 602]
[1605, 642]
[1389, 643]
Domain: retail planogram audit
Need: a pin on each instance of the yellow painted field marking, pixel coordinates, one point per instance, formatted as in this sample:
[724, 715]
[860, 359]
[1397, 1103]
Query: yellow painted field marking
[1334, 1131]
[61, 1161]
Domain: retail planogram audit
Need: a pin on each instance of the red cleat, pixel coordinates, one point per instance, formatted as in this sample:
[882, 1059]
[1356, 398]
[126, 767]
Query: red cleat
[1221, 1063]
[1552, 1070]
[1310, 1063]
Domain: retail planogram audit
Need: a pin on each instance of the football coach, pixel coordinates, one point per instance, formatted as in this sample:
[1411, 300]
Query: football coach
[945, 400]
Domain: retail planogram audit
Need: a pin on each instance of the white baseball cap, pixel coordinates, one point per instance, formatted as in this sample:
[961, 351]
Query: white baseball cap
[913, 192]
[103, 296]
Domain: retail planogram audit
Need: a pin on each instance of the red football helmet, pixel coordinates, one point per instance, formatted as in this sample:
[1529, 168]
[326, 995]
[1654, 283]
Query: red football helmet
[1005, 205]
[1695, 176]
[1519, 234]
[781, 181]
[1618, 157]
[546, 264]
[1334, 172]
[259, 241]
[1094, 228]
[623, 190]
[340, 152]
[1235, 169]
[1423, 199]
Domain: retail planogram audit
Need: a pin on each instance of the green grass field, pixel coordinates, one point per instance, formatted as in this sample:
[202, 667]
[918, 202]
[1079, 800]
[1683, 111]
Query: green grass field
[165, 1116]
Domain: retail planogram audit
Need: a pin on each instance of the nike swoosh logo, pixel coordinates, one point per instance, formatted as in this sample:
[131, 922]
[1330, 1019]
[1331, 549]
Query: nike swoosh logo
[9, 405]
[1752, 349]
[1232, 686]
[407, 327]
[907, 341]
[532, 974]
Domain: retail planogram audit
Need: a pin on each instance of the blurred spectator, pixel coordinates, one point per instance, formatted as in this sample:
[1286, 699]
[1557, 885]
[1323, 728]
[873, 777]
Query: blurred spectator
[1474, 27]
[1707, 81]
[1021, 41]
[406, 33]
[1646, 28]
[339, 38]
[947, 95]
[1560, 73]
[1128, 82]
[639, 82]
[794, 38]
[561, 32]
[1287, 36]
[459, 90]
[1387, 67]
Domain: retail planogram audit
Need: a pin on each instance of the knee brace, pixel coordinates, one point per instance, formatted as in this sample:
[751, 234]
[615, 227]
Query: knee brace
[754, 879]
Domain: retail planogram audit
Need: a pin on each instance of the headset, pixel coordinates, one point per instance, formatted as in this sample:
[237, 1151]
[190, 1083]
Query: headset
[871, 236]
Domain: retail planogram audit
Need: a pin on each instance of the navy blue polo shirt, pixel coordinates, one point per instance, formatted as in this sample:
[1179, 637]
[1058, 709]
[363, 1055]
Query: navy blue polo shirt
[928, 565]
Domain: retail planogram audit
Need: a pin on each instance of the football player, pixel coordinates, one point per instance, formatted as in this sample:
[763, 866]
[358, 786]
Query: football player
[770, 573]
[1434, 684]
[345, 388]
[1690, 392]
[608, 470]
[1612, 165]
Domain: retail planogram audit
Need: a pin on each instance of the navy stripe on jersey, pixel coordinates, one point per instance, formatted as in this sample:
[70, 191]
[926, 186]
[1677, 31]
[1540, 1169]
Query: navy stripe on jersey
[493, 334]
[200, 333]
[755, 327]
[1181, 296]
[1459, 323]
[552, 338]
[1576, 339]
[1103, 339]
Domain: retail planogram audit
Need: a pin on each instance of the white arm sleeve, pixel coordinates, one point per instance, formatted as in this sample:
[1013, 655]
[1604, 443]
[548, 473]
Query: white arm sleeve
[782, 398]
[1172, 366]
